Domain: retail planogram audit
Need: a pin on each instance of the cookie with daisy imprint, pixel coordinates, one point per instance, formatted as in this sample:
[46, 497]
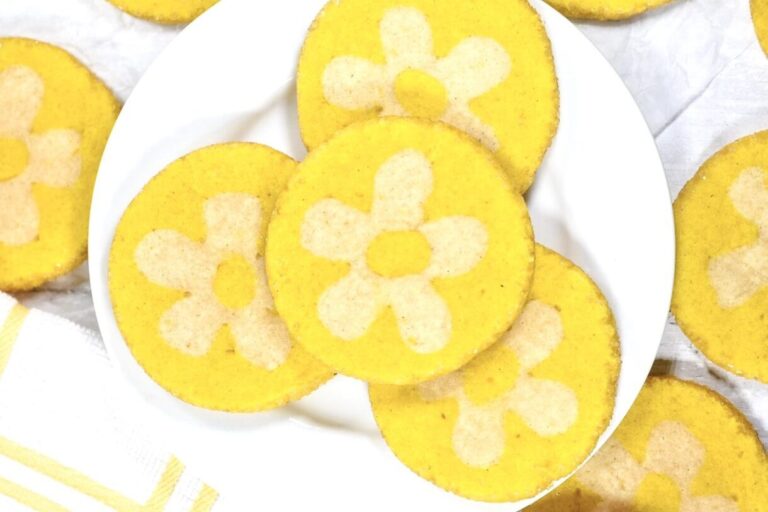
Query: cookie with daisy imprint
[489, 75]
[165, 11]
[399, 251]
[189, 288]
[721, 279]
[605, 10]
[759, 9]
[681, 447]
[55, 118]
[523, 413]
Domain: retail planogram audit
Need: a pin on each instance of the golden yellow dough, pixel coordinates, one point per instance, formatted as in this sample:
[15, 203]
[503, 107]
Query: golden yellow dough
[165, 11]
[489, 75]
[721, 281]
[523, 413]
[188, 286]
[55, 118]
[681, 447]
[605, 10]
[760, 17]
[399, 251]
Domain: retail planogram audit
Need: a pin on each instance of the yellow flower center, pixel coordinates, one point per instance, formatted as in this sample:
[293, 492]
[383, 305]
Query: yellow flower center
[490, 375]
[14, 157]
[421, 94]
[658, 493]
[399, 253]
[235, 282]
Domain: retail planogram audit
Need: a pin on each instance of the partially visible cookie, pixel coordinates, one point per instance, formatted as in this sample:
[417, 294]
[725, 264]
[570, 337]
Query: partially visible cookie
[189, 288]
[165, 11]
[681, 447]
[759, 10]
[399, 251]
[55, 118]
[605, 10]
[523, 413]
[484, 68]
[720, 295]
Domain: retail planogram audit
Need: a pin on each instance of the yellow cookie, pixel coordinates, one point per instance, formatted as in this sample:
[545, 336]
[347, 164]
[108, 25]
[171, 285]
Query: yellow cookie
[605, 10]
[523, 413]
[399, 251]
[55, 118]
[485, 68]
[721, 282]
[188, 286]
[760, 17]
[681, 447]
[164, 11]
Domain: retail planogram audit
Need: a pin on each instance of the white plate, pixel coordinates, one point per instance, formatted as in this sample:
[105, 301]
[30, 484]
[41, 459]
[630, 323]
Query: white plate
[600, 198]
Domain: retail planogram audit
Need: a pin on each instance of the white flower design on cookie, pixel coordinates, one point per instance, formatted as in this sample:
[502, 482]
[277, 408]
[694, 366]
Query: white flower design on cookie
[673, 452]
[393, 256]
[548, 407]
[51, 158]
[413, 81]
[225, 282]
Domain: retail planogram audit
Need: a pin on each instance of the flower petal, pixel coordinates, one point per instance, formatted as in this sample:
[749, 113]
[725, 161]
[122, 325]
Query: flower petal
[336, 231]
[402, 185]
[168, 258]
[442, 387]
[547, 406]
[614, 475]
[422, 314]
[670, 443]
[479, 437]
[749, 195]
[54, 158]
[353, 83]
[458, 244]
[475, 66]
[19, 217]
[261, 337]
[407, 38]
[191, 324]
[233, 223]
[709, 504]
[460, 116]
[21, 94]
[351, 305]
[535, 334]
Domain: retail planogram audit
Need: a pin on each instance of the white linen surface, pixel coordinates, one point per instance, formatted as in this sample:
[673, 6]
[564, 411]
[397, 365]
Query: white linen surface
[695, 68]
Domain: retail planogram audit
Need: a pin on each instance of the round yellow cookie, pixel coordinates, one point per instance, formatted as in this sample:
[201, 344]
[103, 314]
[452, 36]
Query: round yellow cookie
[485, 68]
[399, 251]
[720, 296]
[164, 11]
[681, 447]
[759, 10]
[55, 118]
[605, 10]
[523, 413]
[189, 289]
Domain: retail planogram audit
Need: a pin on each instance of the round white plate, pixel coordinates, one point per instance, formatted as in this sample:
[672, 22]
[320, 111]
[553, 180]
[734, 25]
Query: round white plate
[600, 198]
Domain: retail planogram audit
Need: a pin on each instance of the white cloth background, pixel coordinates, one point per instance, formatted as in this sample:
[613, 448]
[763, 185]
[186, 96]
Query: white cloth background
[695, 68]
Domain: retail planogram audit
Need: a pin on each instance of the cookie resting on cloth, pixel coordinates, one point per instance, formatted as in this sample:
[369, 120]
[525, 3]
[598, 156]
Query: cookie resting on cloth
[605, 10]
[523, 413]
[462, 63]
[682, 447]
[759, 9]
[720, 296]
[55, 118]
[399, 251]
[164, 11]
[188, 284]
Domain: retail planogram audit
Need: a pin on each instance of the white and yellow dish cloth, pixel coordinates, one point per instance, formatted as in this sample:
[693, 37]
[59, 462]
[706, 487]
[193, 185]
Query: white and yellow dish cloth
[69, 439]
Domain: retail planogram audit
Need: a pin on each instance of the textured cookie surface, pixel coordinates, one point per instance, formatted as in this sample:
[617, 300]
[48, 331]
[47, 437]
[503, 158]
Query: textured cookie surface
[165, 11]
[605, 10]
[188, 285]
[459, 62]
[383, 264]
[760, 17]
[526, 411]
[55, 117]
[721, 280]
[681, 447]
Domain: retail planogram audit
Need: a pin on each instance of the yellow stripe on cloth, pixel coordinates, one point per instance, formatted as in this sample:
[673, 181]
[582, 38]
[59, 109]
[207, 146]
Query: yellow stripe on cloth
[9, 333]
[165, 486]
[26, 497]
[205, 500]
